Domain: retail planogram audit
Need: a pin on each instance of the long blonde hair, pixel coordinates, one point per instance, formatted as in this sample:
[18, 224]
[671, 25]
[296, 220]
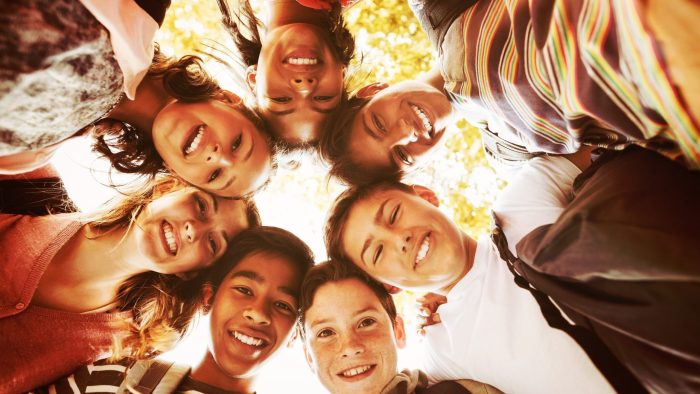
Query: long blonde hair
[162, 305]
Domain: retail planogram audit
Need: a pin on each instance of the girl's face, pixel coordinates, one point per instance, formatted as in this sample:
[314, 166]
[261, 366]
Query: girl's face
[297, 81]
[186, 230]
[213, 146]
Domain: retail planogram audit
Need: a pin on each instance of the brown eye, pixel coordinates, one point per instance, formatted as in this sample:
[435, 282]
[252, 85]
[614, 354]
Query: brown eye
[323, 99]
[378, 123]
[237, 143]
[404, 157]
[214, 175]
[281, 99]
[213, 245]
[367, 322]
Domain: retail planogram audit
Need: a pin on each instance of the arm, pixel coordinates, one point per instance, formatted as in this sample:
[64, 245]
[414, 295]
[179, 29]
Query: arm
[433, 78]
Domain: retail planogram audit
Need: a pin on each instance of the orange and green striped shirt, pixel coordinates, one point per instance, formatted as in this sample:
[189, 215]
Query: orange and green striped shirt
[558, 74]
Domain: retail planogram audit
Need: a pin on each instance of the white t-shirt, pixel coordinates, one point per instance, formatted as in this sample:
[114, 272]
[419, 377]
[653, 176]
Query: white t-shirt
[493, 331]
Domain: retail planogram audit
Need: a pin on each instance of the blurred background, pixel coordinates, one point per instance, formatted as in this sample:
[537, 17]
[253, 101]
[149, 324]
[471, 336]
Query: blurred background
[390, 47]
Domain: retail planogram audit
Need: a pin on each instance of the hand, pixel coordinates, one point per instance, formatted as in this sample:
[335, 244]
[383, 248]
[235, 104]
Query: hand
[427, 310]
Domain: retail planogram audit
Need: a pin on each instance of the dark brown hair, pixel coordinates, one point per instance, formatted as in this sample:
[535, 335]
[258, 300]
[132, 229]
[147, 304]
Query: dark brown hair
[244, 28]
[335, 271]
[333, 148]
[243, 21]
[268, 240]
[131, 150]
[335, 225]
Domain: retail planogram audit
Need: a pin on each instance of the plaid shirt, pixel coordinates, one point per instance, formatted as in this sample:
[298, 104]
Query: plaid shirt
[561, 73]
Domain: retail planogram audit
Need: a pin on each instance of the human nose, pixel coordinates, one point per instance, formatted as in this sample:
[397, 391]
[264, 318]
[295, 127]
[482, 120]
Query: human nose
[192, 230]
[400, 239]
[404, 132]
[352, 345]
[304, 84]
[215, 155]
[257, 314]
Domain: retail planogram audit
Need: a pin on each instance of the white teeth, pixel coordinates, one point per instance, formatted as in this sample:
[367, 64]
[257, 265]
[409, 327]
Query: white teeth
[169, 237]
[424, 247]
[248, 340]
[427, 126]
[302, 60]
[195, 142]
[356, 371]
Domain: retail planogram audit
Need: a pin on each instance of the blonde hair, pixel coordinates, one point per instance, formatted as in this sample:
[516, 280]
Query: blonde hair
[162, 305]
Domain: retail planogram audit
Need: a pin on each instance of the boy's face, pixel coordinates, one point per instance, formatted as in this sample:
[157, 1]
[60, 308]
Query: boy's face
[401, 239]
[253, 313]
[399, 126]
[350, 339]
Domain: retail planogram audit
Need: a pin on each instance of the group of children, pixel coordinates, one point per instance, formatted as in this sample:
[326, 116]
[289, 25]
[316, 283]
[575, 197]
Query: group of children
[586, 285]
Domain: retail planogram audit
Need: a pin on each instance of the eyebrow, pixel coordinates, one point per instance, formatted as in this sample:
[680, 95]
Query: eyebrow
[215, 203]
[377, 218]
[254, 276]
[326, 320]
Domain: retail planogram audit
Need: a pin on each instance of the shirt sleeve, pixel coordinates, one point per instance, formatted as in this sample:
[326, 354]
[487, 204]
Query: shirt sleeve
[102, 376]
[536, 196]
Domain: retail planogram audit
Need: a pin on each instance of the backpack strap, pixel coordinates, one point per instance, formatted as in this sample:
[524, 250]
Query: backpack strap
[619, 377]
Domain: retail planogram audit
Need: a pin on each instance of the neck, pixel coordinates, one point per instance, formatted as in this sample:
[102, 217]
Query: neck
[470, 249]
[150, 99]
[284, 12]
[87, 271]
[209, 372]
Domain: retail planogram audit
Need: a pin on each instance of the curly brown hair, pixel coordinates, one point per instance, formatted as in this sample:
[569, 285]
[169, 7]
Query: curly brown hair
[131, 150]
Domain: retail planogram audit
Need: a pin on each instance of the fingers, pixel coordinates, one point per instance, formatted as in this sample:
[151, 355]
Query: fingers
[425, 321]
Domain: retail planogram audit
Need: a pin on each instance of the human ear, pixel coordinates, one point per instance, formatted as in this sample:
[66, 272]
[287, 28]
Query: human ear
[370, 90]
[207, 296]
[307, 356]
[399, 332]
[391, 289]
[251, 73]
[228, 97]
[426, 194]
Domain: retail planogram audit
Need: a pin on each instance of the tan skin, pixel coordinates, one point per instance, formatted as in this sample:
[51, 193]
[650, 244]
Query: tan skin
[295, 99]
[86, 272]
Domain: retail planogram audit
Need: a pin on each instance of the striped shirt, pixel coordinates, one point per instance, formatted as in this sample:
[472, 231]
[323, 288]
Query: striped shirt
[562, 73]
[105, 377]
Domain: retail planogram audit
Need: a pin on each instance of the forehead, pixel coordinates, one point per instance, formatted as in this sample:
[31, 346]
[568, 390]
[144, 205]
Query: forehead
[341, 300]
[363, 213]
[263, 267]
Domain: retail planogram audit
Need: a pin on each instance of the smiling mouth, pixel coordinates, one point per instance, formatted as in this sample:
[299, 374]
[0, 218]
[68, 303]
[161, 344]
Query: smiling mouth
[167, 231]
[358, 372]
[193, 140]
[248, 340]
[426, 124]
[423, 251]
[303, 61]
